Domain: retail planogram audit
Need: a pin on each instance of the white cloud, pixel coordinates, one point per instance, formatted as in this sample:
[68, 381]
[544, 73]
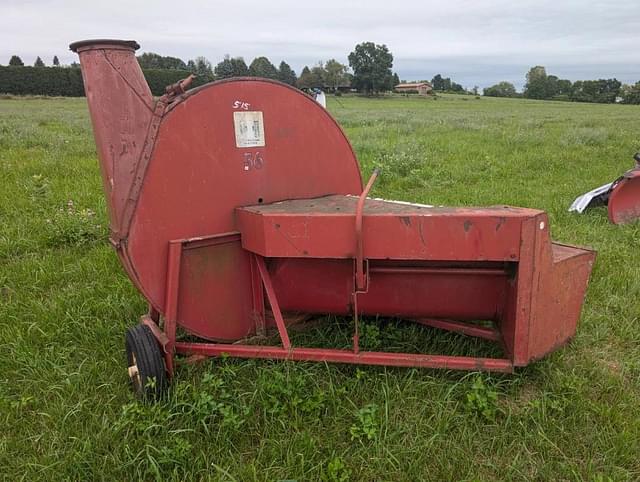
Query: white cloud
[474, 42]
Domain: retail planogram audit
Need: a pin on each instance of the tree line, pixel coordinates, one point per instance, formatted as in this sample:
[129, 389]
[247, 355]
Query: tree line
[540, 85]
[67, 82]
[16, 61]
[445, 84]
[371, 66]
[369, 71]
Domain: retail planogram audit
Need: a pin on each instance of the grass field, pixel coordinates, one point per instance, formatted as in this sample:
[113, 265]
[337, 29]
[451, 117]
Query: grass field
[66, 410]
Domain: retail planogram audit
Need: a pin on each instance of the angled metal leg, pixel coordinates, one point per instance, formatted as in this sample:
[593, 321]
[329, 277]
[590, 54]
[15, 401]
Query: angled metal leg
[171, 303]
[273, 301]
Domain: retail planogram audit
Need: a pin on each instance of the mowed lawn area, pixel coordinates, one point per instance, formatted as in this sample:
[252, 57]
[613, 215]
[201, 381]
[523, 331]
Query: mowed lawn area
[66, 409]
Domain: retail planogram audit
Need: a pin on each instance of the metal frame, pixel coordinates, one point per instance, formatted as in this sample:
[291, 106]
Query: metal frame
[495, 263]
[166, 335]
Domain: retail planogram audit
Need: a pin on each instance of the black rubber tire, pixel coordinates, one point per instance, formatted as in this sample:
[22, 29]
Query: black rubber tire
[145, 353]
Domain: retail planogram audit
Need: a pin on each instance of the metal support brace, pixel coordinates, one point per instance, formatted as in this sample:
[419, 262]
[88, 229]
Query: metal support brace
[273, 301]
[171, 302]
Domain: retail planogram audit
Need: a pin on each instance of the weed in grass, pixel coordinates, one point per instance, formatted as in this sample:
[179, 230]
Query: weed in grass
[287, 393]
[337, 471]
[209, 404]
[142, 419]
[482, 400]
[370, 337]
[69, 226]
[39, 187]
[366, 425]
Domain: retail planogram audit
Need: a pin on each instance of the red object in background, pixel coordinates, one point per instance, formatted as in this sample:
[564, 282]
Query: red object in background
[623, 204]
[622, 197]
[238, 201]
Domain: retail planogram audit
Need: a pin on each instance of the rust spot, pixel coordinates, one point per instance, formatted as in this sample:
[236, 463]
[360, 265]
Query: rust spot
[501, 221]
[467, 226]
[305, 252]
[406, 220]
[277, 226]
[424, 243]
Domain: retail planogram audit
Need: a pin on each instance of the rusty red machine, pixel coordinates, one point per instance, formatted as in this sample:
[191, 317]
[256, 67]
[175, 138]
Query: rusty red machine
[622, 197]
[240, 202]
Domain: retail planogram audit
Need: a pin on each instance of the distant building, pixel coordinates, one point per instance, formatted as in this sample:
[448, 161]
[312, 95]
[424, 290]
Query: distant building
[421, 88]
[344, 87]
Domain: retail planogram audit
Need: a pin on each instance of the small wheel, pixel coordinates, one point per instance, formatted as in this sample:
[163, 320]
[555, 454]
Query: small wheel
[145, 362]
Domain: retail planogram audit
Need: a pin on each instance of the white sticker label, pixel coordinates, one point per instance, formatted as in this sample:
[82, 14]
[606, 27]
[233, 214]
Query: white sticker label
[249, 128]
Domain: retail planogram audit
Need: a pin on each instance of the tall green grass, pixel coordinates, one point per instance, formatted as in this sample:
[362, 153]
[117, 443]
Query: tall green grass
[66, 411]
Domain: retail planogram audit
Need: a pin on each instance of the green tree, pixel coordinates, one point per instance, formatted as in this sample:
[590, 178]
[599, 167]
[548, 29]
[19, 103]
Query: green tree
[231, 67]
[173, 63]
[312, 78]
[240, 68]
[396, 79]
[501, 89]
[305, 81]
[437, 82]
[319, 75]
[286, 74]
[262, 67]
[601, 90]
[542, 86]
[564, 88]
[150, 60]
[445, 84]
[224, 69]
[56, 62]
[583, 91]
[536, 86]
[371, 65]
[202, 68]
[609, 90]
[630, 93]
[16, 61]
[335, 74]
[38, 62]
[551, 88]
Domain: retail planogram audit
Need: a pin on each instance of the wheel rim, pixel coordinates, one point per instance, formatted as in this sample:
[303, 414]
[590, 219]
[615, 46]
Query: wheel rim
[134, 372]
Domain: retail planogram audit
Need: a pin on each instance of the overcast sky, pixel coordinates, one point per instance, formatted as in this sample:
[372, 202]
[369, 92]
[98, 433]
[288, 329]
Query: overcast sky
[473, 42]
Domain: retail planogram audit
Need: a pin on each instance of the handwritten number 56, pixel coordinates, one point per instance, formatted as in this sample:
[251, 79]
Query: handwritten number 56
[253, 160]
